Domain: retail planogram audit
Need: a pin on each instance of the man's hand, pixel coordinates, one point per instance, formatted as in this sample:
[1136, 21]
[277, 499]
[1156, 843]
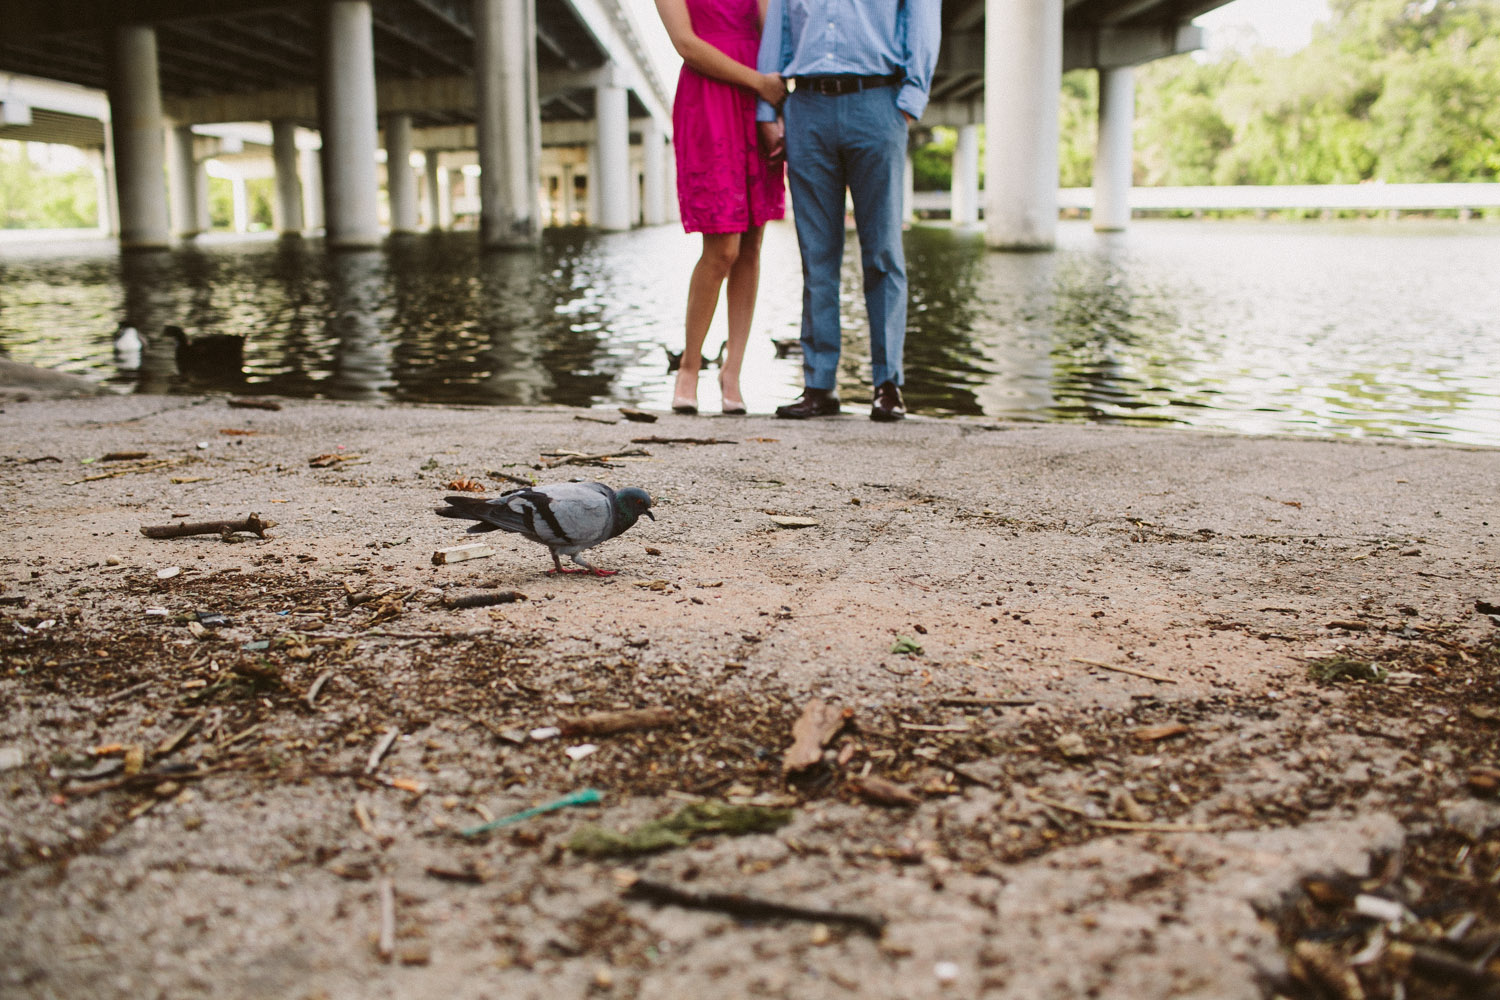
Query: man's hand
[772, 89]
[773, 140]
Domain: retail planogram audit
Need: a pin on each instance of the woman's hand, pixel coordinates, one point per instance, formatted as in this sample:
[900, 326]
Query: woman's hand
[772, 89]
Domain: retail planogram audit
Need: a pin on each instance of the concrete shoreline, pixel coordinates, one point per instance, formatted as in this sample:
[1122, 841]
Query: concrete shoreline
[1108, 577]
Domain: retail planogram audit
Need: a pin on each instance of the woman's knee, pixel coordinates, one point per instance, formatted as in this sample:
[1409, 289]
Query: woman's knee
[720, 253]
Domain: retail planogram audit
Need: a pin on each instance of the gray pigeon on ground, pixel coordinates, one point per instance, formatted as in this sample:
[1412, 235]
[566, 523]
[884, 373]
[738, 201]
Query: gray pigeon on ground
[565, 517]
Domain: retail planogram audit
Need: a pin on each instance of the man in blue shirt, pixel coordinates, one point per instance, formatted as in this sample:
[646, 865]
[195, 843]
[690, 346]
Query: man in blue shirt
[862, 72]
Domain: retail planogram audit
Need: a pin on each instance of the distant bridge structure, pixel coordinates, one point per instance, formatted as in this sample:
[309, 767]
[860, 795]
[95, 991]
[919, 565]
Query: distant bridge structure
[494, 82]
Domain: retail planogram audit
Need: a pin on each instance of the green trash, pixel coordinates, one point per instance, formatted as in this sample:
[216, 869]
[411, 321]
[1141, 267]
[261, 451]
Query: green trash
[678, 829]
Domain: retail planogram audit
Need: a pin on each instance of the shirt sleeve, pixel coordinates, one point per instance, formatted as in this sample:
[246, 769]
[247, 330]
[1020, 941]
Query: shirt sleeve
[774, 53]
[921, 31]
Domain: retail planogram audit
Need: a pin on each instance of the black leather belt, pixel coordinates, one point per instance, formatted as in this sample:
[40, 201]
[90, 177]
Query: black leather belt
[832, 86]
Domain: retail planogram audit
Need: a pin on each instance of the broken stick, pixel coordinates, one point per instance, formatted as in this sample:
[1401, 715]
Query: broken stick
[751, 907]
[253, 524]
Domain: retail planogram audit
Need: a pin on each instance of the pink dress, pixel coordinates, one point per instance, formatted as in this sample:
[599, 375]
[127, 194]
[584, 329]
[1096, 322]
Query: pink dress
[724, 184]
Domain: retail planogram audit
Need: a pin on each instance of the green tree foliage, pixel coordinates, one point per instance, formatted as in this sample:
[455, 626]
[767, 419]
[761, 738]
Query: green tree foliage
[1390, 90]
[932, 161]
[32, 198]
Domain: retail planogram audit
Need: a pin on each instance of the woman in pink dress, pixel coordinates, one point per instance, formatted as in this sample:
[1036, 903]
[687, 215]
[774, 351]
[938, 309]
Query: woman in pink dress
[726, 188]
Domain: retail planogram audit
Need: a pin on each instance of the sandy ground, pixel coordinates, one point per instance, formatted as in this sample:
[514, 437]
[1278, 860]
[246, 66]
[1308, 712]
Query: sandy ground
[1082, 651]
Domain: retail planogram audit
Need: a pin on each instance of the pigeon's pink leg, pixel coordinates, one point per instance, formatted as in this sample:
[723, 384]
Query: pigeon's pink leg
[605, 572]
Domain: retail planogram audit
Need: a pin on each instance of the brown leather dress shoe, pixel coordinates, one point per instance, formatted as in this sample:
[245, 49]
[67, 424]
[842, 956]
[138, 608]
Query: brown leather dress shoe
[812, 403]
[888, 404]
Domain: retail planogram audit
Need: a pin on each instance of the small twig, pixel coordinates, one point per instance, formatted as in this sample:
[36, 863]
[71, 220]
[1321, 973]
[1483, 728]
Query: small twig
[518, 480]
[387, 942]
[987, 702]
[147, 467]
[254, 404]
[655, 439]
[750, 907]
[317, 685]
[253, 524]
[171, 743]
[483, 600]
[1125, 824]
[381, 748]
[124, 693]
[1159, 678]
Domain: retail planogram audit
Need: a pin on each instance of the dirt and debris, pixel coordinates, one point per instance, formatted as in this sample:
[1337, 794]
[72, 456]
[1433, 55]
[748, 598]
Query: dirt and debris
[1137, 751]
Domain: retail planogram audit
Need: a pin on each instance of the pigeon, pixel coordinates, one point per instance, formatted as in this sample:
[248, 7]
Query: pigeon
[565, 517]
[674, 359]
[128, 344]
[213, 355]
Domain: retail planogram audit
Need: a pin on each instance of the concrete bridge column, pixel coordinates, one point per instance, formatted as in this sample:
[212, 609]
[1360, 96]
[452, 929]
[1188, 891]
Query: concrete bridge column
[612, 121]
[434, 194]
[312, 189]
[1114, 154]
[287, 208]
[966, 177]
[400, 182]
[182, 182]
[351, 184]
[509, 128]
[136, 126]
[1022, 76]
[241, 195]
[654, 161]
[591, 185]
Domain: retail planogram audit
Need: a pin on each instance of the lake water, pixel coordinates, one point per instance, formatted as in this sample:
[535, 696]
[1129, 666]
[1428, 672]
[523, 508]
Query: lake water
[1335, 328]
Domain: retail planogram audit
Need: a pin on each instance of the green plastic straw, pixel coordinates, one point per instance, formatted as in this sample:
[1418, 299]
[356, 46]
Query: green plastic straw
[587, 797]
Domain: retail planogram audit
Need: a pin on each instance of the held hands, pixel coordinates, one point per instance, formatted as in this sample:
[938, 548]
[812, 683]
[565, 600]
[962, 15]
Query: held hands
[773, 140]
[771, 89]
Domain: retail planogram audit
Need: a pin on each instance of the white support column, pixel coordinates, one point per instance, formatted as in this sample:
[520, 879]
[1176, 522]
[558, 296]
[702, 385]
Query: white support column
[312, 189]
[400, 182]
[109, 201]
[432, 173]
[1022, 78]
[612, 121]
[1114, 155]
[508, 120]
[351, 184]
[136, 125]
[445, 198]
[98, 163]
[182, 182]
[241, 193]
[674, 210]
[205, 214]
[287, 208]
[654, 160]
[591, 186]
[965, 195]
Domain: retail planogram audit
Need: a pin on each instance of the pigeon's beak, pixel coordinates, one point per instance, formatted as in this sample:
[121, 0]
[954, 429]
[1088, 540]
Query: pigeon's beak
[649, 514]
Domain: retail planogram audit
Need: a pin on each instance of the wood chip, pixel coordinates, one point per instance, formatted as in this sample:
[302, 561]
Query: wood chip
[605, 723]
[460, 553]
[812, 732]
[883, 792]
[1150, 734]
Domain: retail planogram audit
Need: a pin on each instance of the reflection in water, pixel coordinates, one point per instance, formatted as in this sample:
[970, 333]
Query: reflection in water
[1342, 328]
[357, 317]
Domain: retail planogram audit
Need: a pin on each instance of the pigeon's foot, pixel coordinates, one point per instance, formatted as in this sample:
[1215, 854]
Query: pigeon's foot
[605, 572]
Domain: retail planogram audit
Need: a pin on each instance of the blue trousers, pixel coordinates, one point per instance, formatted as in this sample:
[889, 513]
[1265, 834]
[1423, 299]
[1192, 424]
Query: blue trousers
[856, 142]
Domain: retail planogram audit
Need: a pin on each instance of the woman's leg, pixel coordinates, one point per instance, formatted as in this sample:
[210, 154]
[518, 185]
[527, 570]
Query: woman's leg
[744, 280]
[720, 251]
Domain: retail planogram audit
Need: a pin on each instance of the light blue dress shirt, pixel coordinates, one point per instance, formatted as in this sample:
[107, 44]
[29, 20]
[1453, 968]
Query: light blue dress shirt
[863, 37]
